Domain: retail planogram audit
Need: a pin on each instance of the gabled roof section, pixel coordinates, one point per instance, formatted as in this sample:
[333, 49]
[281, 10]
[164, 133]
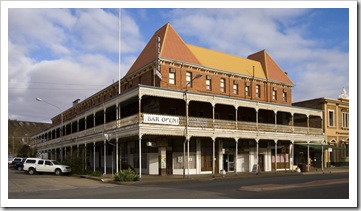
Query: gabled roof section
[227, 62]
[172, 47]
[258, 65]
[272, 70]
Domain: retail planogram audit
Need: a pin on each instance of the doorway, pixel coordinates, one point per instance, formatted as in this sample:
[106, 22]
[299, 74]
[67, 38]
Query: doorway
[206, 156]
[169, 163]
[228, 162]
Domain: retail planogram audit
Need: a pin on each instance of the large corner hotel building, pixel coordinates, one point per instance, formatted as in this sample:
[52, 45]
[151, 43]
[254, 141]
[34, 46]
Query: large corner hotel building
[184, 109]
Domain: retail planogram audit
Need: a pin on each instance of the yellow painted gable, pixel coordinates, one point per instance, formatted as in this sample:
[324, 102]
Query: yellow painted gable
[227, 62]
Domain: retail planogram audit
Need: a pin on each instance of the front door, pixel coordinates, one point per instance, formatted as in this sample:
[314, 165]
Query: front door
[169, 165]
[206, 155]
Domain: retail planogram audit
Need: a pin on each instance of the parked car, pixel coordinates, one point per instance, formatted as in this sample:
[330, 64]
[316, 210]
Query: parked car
[10, 160]
[19, 165]
[34, 165]
[15, 160]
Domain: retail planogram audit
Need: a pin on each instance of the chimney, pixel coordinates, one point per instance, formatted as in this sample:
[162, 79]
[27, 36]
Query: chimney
[75, 102]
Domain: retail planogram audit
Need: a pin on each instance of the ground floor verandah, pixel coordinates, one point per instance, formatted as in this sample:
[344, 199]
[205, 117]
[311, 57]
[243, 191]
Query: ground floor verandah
[175, 155]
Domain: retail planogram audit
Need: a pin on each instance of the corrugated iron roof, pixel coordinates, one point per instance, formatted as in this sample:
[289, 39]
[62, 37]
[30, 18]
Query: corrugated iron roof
[172, 47]
[258, 65]
[227, 62]
[272, 70]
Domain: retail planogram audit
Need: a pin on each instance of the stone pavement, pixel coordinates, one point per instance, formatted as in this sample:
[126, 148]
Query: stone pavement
[156, 179]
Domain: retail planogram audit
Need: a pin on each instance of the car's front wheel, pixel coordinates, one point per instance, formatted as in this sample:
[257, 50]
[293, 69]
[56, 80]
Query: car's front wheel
[58, 172]
[20, 168]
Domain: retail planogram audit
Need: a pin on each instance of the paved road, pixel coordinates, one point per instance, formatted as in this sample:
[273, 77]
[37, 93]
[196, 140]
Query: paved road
[318, 186]
[20, 183]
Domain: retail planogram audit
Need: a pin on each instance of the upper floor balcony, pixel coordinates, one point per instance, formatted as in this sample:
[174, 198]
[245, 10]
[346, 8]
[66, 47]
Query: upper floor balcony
[194, 111]
[197, 123]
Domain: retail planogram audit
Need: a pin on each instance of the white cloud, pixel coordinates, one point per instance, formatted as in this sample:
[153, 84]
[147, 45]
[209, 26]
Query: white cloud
[18, 62]
[130, 35]
[324, 76]
[63, 32]
[40, 28]
[62, 55]
[60, 82]
[97, 30]
[247, 29]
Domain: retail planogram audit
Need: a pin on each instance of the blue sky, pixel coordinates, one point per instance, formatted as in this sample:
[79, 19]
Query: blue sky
[61, 55]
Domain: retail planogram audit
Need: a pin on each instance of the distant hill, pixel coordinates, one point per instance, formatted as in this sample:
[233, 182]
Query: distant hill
[20, 132]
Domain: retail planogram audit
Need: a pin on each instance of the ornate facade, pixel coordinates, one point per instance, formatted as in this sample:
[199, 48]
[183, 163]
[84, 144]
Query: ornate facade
[183, 109]
[336, 127]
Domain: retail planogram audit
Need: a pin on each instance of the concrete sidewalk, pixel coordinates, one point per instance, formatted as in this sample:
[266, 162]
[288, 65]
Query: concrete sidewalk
[157, 179]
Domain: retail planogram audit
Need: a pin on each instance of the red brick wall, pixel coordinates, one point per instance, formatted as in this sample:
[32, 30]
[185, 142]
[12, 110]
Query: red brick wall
[199, 85]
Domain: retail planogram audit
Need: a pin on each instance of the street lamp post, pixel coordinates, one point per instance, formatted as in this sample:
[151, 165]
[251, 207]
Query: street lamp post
[62, 121]
[187, 137]
[322, 162]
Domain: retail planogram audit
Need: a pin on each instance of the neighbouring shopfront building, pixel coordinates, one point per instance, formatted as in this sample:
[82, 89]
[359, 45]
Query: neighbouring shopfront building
[183, 109]
[336, 128]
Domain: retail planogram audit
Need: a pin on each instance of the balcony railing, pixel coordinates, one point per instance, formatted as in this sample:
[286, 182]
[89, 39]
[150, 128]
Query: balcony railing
[198, 123]
[242, 125]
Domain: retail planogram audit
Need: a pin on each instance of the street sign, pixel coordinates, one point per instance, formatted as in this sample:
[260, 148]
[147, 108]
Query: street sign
[255, 169]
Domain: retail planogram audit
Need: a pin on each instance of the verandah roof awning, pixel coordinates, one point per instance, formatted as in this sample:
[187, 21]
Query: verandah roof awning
[319, 146]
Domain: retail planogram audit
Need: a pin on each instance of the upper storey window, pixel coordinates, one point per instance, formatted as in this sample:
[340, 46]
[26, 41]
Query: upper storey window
[345, 119]
[189, 79]
[235, 89]
[223, 85]
[171, 76]
[331, 118]
[274, 94]
[246, 89]
[284, 96]
[208, 83]
[258, 87]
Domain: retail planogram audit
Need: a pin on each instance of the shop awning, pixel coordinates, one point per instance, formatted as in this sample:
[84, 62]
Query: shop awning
[319, 146]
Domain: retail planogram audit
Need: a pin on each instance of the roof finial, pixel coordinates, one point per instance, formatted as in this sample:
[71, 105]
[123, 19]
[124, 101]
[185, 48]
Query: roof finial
[343, 94]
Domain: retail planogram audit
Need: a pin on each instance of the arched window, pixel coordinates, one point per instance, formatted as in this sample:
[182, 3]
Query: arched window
[332, 142]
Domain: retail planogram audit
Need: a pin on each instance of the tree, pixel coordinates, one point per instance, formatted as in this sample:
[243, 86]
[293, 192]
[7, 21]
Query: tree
[26, 151]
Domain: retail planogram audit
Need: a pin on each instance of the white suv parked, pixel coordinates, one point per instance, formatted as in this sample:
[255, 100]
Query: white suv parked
[33, 165]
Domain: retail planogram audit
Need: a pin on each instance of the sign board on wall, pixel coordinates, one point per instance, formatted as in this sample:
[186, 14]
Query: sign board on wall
[159, 119]
[255, 169]
[163, 161]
